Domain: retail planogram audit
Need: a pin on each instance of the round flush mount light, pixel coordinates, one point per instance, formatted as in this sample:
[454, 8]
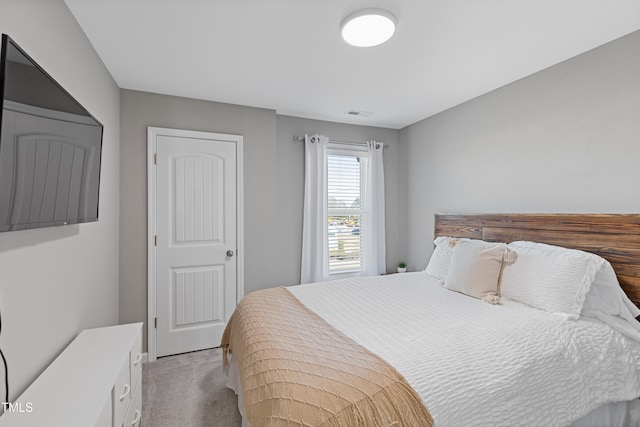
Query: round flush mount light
[368, 27]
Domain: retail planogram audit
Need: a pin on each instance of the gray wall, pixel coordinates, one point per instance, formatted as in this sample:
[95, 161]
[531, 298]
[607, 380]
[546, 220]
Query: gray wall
[273, 186]
[290, 195]
[566, 139]
[258, 127]
[54, 282]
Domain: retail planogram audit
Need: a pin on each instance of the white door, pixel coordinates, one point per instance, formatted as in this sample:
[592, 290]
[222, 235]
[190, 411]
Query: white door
[196, 240]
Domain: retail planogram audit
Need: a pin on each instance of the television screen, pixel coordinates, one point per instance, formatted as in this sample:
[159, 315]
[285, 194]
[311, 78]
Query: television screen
[50, 148]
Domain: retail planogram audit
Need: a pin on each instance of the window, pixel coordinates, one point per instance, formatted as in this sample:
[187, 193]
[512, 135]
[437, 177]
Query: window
[343, 226]
[346, 171]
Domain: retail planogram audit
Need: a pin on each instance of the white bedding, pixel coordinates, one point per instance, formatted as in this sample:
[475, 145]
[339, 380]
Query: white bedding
[479, 364]
[616, 414]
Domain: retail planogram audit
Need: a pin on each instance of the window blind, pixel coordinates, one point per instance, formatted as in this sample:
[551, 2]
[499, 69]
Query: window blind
[344, 193]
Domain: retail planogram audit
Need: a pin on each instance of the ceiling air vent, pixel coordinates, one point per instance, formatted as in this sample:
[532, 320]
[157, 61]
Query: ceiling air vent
[358, 113]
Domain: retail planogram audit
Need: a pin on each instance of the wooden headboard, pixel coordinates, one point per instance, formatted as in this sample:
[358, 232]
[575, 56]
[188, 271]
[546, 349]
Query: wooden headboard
[615, 237]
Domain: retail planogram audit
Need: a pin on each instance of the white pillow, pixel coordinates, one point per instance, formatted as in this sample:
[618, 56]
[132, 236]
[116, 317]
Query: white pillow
[549, 278]
[607, 302]
[441, 258]
[475, 269]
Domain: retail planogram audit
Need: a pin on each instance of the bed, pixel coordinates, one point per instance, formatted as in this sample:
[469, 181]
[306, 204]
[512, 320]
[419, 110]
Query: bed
[465, 362]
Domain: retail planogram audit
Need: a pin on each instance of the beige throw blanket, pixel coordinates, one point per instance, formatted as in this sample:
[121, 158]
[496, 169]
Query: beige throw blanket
[297, 370]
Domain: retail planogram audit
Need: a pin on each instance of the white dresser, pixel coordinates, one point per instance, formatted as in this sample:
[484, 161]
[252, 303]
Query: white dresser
[96, 381]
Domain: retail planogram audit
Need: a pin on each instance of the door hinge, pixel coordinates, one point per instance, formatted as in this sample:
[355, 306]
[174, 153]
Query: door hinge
[155, 158]
[155, 240]
[155, 323]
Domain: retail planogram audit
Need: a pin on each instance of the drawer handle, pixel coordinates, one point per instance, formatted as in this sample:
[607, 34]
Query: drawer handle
[138, 359]
[127, 389]
[136, 419]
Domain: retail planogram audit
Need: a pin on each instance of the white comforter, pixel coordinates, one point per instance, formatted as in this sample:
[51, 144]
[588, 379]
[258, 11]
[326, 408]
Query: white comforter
[478, 364]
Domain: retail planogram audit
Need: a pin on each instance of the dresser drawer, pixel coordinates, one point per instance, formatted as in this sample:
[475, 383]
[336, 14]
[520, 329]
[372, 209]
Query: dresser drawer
[121, 394]
[135, 362]
[134, 414]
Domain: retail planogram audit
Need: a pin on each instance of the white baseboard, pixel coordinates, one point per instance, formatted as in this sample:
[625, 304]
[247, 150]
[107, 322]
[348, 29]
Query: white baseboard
[145, 357]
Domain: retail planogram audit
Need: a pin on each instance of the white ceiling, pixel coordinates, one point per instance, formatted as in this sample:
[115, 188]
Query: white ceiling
[288, 55]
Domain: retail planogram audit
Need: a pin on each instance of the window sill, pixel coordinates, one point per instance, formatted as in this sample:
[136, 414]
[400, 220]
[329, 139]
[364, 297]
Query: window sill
[345, 275]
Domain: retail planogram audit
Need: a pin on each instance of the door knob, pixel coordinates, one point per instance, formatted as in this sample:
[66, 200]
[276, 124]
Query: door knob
[229, 253]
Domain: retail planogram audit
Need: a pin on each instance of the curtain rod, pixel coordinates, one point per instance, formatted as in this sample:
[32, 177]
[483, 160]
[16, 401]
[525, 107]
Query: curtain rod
[301, 138]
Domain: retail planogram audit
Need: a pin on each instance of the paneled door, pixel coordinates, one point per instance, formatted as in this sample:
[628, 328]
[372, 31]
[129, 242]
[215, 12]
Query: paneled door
[195, 240]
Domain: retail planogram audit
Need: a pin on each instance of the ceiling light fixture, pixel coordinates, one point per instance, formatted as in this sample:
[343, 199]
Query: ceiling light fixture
[368, 27]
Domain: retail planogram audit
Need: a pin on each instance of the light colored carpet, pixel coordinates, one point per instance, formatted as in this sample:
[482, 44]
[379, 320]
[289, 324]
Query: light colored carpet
[188, 390]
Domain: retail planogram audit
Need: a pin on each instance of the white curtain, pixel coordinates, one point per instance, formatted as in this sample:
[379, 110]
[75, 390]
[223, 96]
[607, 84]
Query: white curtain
[373, 232]
[315, 256]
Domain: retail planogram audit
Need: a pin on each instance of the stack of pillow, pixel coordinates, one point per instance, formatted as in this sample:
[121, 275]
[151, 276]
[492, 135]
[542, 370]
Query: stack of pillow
[566, 282]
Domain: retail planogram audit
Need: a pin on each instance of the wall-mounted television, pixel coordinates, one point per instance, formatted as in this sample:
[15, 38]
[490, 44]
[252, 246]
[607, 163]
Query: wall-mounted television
[50, 148]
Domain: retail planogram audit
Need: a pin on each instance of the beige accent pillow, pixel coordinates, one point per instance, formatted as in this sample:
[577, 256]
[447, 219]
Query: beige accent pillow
[475, 269]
